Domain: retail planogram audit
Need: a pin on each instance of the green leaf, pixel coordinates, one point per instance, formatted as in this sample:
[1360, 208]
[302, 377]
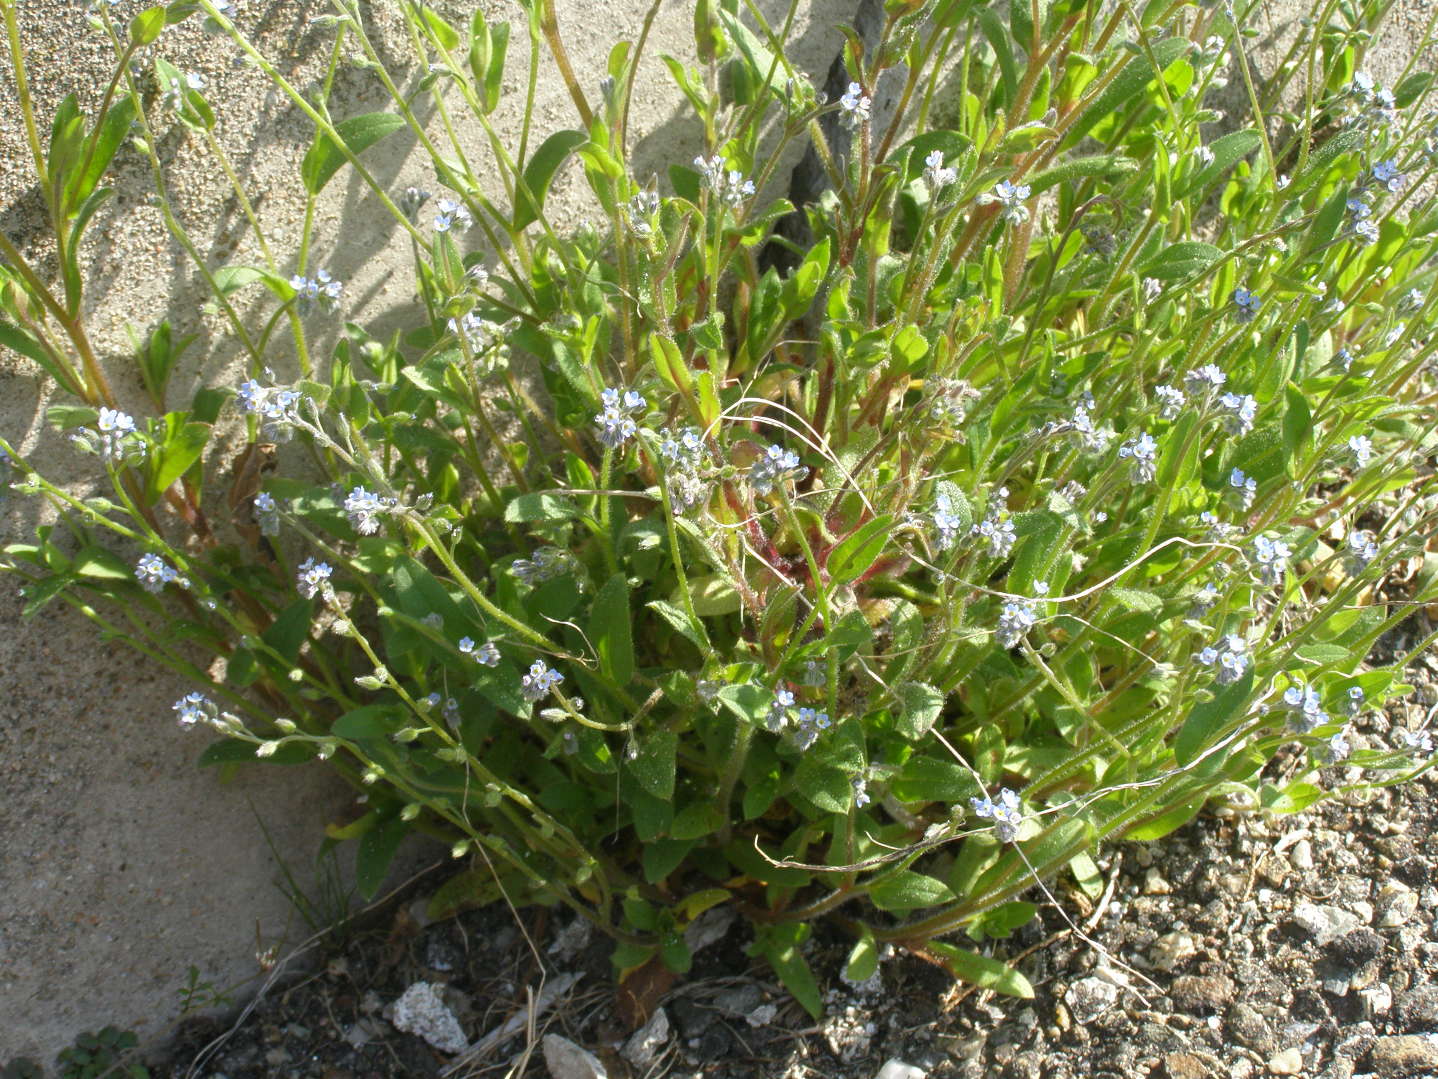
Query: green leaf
[920, 706]
[13, 337]
[181, 449]
[1126, 88]
[1297, 422]
[1207, 719]
[1349, 140]
[982, 971]
[1227, 151]
[359, 133]
[779, 945]
[1178, 261]
[907, 890]
[235, 751]
[288, 633]
[1105, 166]
[540, 506]
[609, 629]
[1169, 821]
[859, 550]
[1003, 920]
[447, 36]
[1135, 599]
[653, 765]
[114, 128]
[376, 850]
[679, 621]
[147, 25]
[100, 564]
[372, 721]
[863, 959]
[539, 174]
[998, 36]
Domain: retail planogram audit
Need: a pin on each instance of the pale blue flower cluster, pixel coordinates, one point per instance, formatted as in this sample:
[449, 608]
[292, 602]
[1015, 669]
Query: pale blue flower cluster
[364, 507]
[153, 573]
[1011, 199]
[1270, 559]
[1246, 304]
[313, 578]
[194, 708]
[856, 104]
[452, 216]
[1360, 549]
[727, 184]
[778, 715]
[539, 681]
[775, 465]
[616, 423]
[1306, 706]
[115, 437]
[321, 291]
[267, 514]
[547, 564]
[1203, 382]
[811, 724]
[1016, 618]
[1241, 488]
[1229, 658]
[1239, 411]
[1006, 811]
[1143, 452]
[486, 654]
[937, 175]
[997, 529]
[277, 407]
[947, 523]
[1170, 401]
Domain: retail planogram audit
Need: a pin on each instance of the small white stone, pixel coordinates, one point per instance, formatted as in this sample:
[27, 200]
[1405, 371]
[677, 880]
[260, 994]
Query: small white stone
[1171, 949]
[1301, 856]
[1154, 884]
[645, 1043]
[421, 1011]
[897, 1069]
[1377, 1000]
[565, 1060]
[1287, 1062]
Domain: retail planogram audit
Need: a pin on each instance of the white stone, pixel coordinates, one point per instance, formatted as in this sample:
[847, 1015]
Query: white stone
[897, 1069]
[1324, 923]
[1287, 1062]
[565, 1060]
[421, 1011]
[1088, 998]
[644, 1044]
[1171, 949]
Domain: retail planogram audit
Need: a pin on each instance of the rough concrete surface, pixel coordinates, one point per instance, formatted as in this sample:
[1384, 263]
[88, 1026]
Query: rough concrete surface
[121, 864]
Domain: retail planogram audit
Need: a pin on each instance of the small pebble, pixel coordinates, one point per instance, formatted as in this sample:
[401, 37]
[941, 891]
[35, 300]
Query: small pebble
[1301, 857]
[897, 1069]
[1402, 1055]
[1287, 1062]
[1154, 884]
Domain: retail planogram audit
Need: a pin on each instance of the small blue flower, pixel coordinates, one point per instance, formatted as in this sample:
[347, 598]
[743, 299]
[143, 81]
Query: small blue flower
[1242, 488]
[539, 681]
[1386, 175]
[1006, 812]
[773, 466]
[1230, 658]
[153, 573]
[1170, 401]
[1239, 412]
[486, 654]
[1247, 304]
[194, 708]
[1143, 451]
[1362, 450]
[778, 714]
[1361, 550]
[1204, 382]
[313, 577]
[363, 508]
[1015, 619]
[1270, 559]
[451, 216]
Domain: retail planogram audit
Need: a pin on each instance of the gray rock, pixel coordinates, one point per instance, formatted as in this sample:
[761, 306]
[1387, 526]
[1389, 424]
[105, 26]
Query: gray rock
[565, 1060]
[1249, 1028]
[1202, 993]
[1396, 904]
[1185, 1066]
[645, 1044]
[421, 1011]
[1088, 998]
[1418, 1010]
[897, 1069]
[1403, 1055]
[1324, 923]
